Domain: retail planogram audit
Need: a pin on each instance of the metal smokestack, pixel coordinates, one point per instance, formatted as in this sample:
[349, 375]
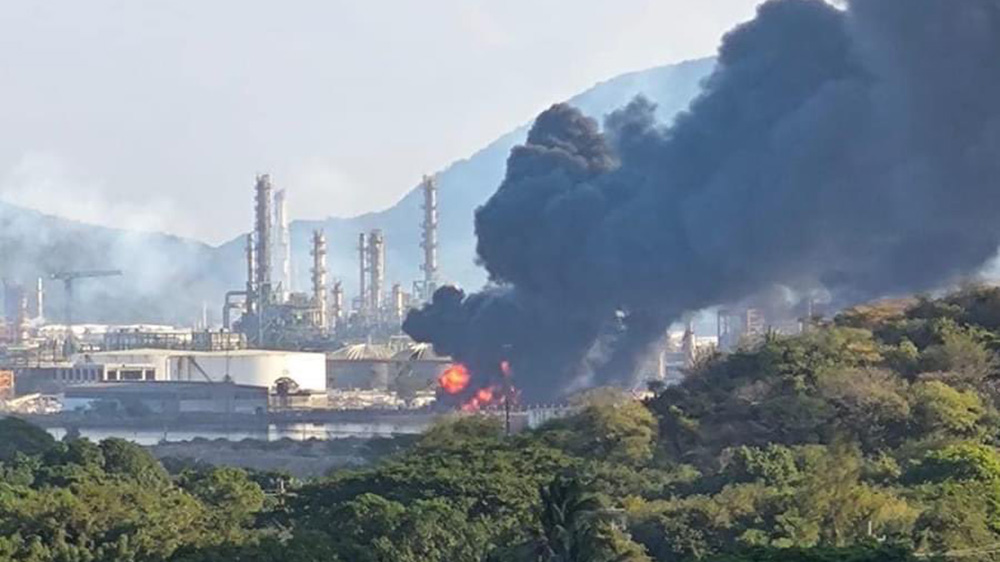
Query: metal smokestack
[376, 264]
[319, 277]
[363, 274]
[430, 237]
[262, 237]
[282, 246]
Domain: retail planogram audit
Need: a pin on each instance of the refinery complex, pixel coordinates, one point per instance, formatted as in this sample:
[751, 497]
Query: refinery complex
[277, 349]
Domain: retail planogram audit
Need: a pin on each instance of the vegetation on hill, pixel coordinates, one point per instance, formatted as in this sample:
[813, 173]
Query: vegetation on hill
[872, 437]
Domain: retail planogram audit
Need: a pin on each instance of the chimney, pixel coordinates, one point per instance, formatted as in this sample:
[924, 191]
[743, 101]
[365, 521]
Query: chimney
[319, 277]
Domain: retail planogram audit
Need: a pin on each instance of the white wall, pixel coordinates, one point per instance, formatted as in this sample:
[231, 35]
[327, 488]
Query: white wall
[156, 358]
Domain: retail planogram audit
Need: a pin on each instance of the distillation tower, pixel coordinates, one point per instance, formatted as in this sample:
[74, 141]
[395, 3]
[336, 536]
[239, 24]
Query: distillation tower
[282, 242]
[429, 241]
[319, 278]
[262, 242]
[376, 269]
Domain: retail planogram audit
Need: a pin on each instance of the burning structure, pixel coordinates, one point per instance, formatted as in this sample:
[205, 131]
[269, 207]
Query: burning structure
[847, 150]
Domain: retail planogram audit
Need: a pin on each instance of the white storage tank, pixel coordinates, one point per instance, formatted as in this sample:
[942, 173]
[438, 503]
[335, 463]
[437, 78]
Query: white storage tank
[252, 367]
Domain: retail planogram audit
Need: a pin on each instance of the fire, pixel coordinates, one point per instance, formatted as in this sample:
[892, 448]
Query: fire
[455, 379]
[484, 397]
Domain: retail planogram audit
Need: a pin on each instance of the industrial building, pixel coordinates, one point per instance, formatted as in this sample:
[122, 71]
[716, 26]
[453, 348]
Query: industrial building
[275, 335]
[270, 315]
[246, 367]
[747, 325]
[405, 369]
[168, 398]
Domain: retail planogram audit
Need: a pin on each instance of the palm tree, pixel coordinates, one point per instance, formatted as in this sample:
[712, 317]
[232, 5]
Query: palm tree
[566, 521]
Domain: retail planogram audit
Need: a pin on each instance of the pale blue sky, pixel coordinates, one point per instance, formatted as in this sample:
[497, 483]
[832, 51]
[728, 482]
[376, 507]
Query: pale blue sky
[157, 115]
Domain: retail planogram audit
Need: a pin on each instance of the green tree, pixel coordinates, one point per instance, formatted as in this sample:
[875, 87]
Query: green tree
[19, 436]
[613, 430]
[574, 527]
[871, 404]
[962, 355]
[126, 459]
[859, 553]
[233, 498]
[939, 408]
[371, 528]
[775, 465]
[962, 461]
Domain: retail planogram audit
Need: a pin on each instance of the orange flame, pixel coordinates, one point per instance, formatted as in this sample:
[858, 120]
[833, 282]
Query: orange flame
[484, 397]
[454, 379]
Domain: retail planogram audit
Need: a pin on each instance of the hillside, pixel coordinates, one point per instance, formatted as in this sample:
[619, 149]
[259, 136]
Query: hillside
[166, 277]
[169, 278]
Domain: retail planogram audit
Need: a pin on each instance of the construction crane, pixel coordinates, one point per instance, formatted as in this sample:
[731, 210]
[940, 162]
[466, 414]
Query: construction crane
[68, 278]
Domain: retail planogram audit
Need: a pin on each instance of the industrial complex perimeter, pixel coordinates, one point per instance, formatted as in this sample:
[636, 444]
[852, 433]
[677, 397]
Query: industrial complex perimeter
[277, 352]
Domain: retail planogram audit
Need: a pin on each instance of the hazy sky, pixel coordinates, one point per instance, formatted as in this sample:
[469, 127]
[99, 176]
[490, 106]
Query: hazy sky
[157, 115]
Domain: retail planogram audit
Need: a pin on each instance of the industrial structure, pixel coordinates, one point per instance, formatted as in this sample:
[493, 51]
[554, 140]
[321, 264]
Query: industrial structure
[424, 289]
[277, 336]
[69, 279]
[168, 398]
[271, 315]
[319, 278]
[376, 270]
[741, 326]
[282, 247]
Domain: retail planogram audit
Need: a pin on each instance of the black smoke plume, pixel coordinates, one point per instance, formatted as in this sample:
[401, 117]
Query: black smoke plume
[853, 150]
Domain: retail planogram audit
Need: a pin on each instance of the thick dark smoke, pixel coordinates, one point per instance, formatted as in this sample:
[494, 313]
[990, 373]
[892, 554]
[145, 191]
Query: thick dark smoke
[851, 150]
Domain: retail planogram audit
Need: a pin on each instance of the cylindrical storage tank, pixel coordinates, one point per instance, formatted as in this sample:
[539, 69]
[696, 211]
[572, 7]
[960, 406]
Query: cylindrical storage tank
[254, 367]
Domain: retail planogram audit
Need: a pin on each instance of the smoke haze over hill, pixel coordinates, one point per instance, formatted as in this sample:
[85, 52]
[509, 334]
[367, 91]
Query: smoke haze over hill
[167, 279]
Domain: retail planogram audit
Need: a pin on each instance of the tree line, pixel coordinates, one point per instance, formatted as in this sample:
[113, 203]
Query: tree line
[870, 437]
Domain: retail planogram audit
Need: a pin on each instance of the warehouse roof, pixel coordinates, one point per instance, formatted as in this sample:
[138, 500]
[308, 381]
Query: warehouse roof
[361, 352]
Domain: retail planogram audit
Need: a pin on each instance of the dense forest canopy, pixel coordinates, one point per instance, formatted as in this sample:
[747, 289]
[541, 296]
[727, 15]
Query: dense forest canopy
[872, 436]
